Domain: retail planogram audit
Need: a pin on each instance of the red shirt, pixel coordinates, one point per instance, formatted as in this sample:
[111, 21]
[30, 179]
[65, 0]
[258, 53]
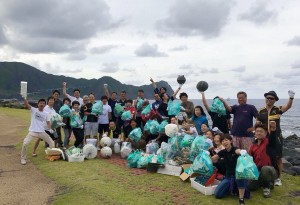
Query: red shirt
[132, 111]
[259, 154]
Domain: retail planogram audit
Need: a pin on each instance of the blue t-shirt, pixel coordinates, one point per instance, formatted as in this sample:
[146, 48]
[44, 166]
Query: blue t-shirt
[199, 121]
[243, 119]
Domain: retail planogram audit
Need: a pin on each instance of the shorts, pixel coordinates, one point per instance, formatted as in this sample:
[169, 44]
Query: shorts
[242, 142]
[91, 127]
[279, 147]
[102, 128]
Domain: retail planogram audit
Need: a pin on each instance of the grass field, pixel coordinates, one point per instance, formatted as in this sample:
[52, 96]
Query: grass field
[101, 181]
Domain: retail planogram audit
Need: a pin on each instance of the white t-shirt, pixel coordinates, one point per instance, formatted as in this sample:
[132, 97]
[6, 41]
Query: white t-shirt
[38, 120]
[195, 133]
[72, 98]
[50, 111]
[104, 118]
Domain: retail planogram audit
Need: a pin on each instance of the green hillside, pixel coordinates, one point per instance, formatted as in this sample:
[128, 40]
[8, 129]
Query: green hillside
[41, 84]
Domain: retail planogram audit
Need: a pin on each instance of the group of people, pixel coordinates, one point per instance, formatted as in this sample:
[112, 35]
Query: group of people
[261, 139]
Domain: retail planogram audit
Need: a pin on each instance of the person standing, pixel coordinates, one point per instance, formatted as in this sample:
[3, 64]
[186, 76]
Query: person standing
[76, 94]
[156, 103]
[222, 122]
[273, 113]
[91, 123]
[103, 120]
[122, 102]
[39, 118]
[57, 105]
[242, 126]
[112, 100]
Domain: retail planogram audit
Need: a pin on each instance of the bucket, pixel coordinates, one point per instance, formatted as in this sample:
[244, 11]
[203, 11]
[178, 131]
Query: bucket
[152, 167]
[92, 141]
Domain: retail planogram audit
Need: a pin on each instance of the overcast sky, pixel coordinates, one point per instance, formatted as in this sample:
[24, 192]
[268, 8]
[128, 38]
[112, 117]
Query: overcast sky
[233, 45]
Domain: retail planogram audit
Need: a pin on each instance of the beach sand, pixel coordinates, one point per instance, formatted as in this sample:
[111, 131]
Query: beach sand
[20, 184]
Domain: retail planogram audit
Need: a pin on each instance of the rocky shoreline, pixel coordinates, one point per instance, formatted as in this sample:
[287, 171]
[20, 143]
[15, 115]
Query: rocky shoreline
[291, 155]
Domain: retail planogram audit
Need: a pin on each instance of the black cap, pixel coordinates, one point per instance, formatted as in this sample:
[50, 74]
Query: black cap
[273, 93]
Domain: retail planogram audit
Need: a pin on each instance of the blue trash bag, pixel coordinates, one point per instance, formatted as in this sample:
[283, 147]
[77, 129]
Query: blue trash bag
[65, 111]
[154, 128]
[97, 108]
[174, 107]
[162, 126]
[144, 161]
[126, 115]
[139, 104]
[118, 110]
[246, 168]
[152, 147]
[148, 125]
[202, 164]
[146, 110]
[75, 121]
[136, 134]
[218, 107]
[187, 140]
[133, 158]
[175, 143]
[200, 143]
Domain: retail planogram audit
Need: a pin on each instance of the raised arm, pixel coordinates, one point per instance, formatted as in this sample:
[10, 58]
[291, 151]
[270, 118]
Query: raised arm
[27, 104]
[228, 107]
[106, 91]
[289, 104]
[176, 92]
[153, 83]
[205, 102]
[65, 89]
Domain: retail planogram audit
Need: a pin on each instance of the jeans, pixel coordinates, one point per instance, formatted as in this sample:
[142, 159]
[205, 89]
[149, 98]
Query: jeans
[224, 187]
[67, 132]
[79, 136]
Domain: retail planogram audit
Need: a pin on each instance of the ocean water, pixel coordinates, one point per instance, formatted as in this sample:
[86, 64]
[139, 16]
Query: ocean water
[290, 120]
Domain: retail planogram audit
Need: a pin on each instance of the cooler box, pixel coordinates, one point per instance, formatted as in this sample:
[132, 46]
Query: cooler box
[92, 141]
[209, 190]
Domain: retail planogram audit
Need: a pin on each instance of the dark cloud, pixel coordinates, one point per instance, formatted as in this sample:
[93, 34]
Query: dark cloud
[58, 24]
[147, 50]
[179, 48]
[239, 69]
[197, 17]
[102, 49]
[258, 14]
[111, 67]
[294, 41]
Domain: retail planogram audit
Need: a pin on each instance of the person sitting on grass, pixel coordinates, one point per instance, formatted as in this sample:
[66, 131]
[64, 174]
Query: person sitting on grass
[37, 127]
[263, 151]
[230, 155]
[78, 131]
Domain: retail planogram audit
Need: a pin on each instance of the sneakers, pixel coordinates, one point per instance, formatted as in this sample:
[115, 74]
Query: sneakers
[266, 192]
[241, 202]
[34, 154]
[23, 161]
[278, 182]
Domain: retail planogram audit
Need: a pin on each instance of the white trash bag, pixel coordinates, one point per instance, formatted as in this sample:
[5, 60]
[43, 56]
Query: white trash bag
[89, 151]
[106, 152]
[126, 149]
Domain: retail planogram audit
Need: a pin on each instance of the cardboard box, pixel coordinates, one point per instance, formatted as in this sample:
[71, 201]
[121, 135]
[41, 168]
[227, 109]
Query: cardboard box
[209, 190]
[184, 176]
[173, 170]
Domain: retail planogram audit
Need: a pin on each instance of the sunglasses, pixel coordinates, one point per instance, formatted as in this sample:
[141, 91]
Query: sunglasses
[269, 98]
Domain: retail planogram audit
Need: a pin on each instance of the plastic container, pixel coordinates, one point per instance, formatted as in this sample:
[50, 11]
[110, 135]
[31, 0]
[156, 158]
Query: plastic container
[92, 141]
[209, 190]
[79, 158]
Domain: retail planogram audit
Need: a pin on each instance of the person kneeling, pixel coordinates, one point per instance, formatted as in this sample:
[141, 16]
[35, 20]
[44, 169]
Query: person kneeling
[230, 155]
[264, 156]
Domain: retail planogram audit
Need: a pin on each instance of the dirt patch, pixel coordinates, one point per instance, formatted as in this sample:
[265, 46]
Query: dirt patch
[20, 184]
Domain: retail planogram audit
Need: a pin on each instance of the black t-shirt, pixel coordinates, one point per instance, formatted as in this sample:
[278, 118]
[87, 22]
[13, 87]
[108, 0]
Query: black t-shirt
[220, 121]
[88, 108]
[112, 104]
[57, 105]
[230, 159]
[115, 132]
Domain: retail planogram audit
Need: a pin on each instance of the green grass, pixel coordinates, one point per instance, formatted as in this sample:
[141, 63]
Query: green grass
[98, 181]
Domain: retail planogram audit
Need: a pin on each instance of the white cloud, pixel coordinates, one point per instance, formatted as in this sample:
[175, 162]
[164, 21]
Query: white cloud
[102, 49]
[179, 48]
[197, 17]
[294, 41]
[239, 69]
[111, 67]
[147, 50]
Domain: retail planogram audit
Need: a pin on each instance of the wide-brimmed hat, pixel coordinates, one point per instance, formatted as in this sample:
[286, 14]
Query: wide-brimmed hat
[273, 93]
